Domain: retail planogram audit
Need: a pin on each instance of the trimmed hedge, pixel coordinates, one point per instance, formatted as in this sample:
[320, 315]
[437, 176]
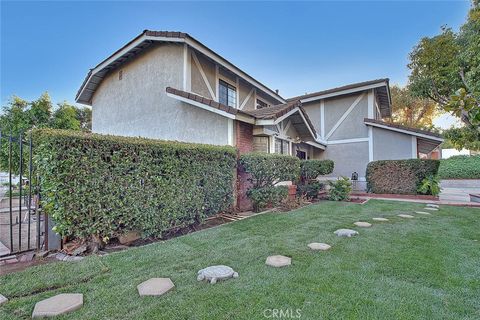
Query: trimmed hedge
[102, 186]
[311, 169]
[399, 176]
[266, 170]
[460, 167]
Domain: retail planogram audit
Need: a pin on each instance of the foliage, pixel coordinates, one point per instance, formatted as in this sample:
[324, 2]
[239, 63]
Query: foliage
[399, 176]
[446, 69]
[20, 116]
[265, 171]
[339, 189]
[267, 196]
[310, 190]
[311, 169]
[411, 111]
[463, 138]
[430, 185]
[102, 186]
[460, 167]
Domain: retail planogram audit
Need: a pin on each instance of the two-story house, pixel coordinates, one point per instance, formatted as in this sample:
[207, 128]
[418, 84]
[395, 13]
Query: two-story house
[168, 85]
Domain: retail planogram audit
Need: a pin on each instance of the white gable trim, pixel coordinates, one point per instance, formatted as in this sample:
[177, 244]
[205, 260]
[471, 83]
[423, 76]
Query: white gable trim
[246, 98]
[345, 115]
[342, 92]
[412, 133]
[204, 76]
[201, 105]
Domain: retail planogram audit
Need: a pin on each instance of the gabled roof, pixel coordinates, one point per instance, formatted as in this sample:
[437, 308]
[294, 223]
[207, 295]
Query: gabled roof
[400, 128]
[142, 42]
[274, 113]
[381, 87]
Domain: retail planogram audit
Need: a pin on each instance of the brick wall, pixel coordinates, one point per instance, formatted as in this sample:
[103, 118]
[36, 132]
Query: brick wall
[244, 144]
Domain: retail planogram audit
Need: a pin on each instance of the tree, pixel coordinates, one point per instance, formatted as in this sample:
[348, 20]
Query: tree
[411, 111]
[446, 69]
[19, 116]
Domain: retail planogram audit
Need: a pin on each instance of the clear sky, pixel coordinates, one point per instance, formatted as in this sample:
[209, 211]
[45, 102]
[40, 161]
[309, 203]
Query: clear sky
[295, 47]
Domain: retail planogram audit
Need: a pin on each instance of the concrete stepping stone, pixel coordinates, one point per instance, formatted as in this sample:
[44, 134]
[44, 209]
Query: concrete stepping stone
[380, 219]
[319, 246]
[363, 224]
[423, 212]
[431, 209]
[57, 305]
[346, 233]
[278, 261]
[3, 299]
[406, 216]
[214, 273]
[155, 287]
[431, 205]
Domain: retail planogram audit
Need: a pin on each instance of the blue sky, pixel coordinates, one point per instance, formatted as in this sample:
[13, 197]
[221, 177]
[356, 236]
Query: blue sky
[293, 47]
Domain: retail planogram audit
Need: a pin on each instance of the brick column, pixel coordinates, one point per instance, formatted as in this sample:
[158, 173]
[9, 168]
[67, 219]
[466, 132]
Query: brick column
[244, 144]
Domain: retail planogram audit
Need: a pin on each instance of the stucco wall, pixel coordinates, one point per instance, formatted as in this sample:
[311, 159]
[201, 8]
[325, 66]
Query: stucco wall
[390, 145]
[138, 105]
[314, 114]
[348, 157]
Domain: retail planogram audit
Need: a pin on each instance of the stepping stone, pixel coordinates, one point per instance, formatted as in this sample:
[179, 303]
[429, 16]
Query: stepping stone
[215, 273]
[57, 305]
[346, 233]
[363, 224]
[278, 261]
[431, 205]
[319, 246]
[423, 212]
[406, 216]
[155, 287]
[431, 209]
[3, 299]
[379, 219]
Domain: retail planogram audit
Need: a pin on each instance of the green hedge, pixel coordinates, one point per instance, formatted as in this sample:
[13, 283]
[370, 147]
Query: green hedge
[265, 171]
[311, 169]
[460, 167]
[102, 186]
[399, 176]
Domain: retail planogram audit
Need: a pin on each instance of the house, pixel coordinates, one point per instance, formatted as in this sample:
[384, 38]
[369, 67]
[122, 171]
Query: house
[168, 85]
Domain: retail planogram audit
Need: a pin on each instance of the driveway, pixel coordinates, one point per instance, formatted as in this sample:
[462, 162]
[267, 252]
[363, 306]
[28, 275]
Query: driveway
[459, 190]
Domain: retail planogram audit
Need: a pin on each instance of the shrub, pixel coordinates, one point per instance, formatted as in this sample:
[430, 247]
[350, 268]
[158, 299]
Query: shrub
[460, 167]
[265, 171]
[102, 186]
[399, 176]
[430, 185]
[311, 169]
[340, 189]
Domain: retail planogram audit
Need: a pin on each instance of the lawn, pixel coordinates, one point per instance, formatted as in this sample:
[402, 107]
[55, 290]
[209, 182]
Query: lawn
[427, 267]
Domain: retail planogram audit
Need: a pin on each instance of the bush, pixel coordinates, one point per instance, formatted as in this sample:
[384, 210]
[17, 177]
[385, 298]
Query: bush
[311, 169]
[399, 176]
[310, 190]
[102, 186]
[340, 189]
[266, 170]
[430, 185]
[460, 167]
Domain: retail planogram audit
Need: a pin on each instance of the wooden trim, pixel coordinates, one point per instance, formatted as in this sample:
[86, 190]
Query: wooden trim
[204, 76]
[343, 92]
[201, 105]
[345, 115]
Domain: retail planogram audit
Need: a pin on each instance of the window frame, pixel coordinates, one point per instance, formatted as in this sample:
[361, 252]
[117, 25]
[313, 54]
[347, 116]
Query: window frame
[229, 86]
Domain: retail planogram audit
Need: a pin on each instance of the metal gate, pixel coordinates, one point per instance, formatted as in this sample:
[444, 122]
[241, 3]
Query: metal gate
[22, 223]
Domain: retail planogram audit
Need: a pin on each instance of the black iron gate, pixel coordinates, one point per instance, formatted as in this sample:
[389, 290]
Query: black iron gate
[22, 223]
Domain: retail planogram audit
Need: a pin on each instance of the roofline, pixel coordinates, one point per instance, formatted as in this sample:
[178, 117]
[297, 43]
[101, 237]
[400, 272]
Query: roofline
[351, 88]
[402, 129]
[178, 37]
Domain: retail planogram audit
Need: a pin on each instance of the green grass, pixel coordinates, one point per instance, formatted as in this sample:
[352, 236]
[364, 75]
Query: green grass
[460, 167]
[422, 268]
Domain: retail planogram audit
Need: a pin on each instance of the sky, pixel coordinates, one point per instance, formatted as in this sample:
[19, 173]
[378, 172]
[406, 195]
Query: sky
[296, 47]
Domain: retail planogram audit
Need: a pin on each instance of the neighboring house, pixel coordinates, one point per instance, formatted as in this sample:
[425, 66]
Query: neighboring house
[167, 85]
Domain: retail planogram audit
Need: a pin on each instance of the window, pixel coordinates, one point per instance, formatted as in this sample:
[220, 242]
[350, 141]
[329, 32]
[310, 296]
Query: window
[261, 104]
[282, 146]
[227, 94]
[301, 155]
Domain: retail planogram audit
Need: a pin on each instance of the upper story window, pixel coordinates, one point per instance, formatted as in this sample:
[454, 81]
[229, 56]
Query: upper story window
[261, 104]
[227, 94]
